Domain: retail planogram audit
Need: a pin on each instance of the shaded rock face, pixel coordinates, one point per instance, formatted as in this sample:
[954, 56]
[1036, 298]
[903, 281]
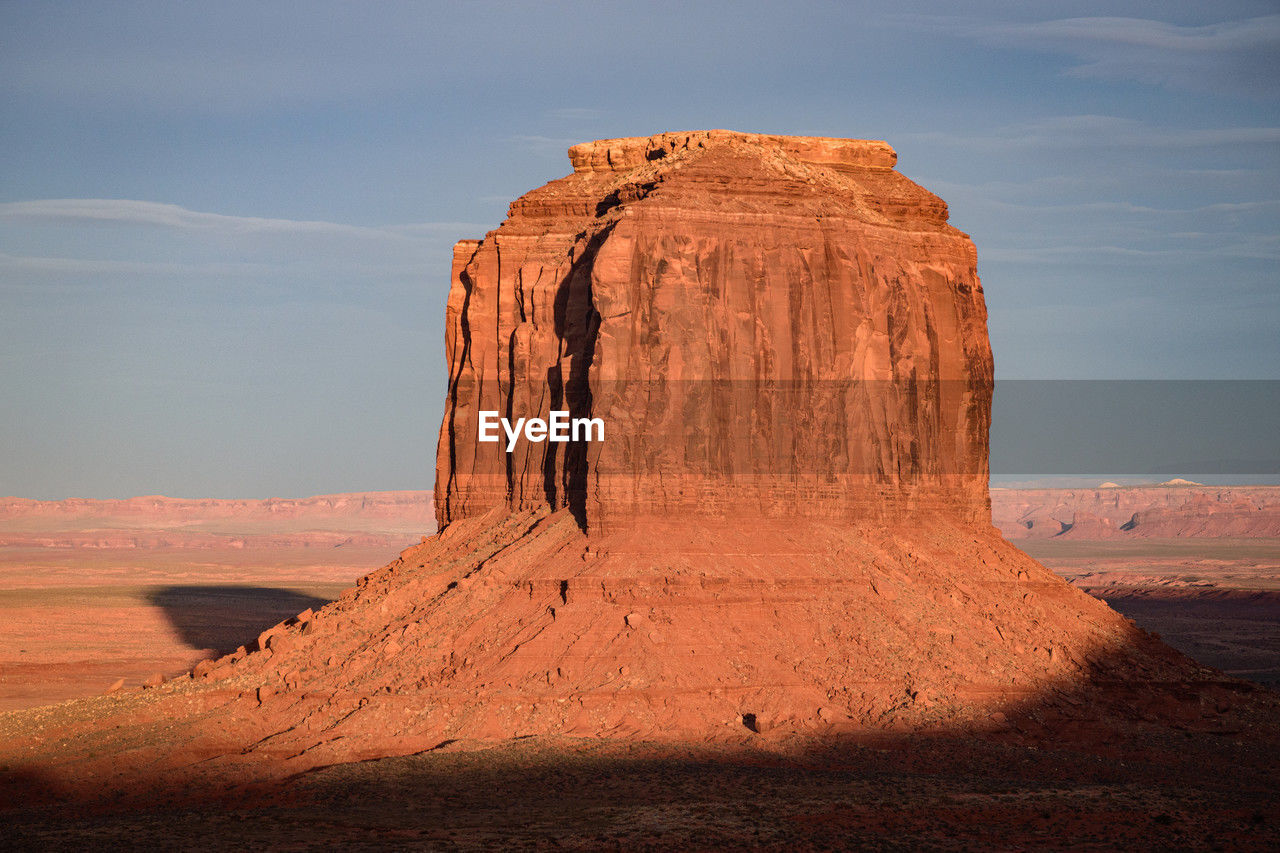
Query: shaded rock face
[767, 326]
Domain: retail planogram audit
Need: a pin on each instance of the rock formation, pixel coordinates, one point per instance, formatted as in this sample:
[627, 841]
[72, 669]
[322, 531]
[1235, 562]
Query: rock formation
[773, 326]
[1138, 512]
[389, 520]
[785, 530]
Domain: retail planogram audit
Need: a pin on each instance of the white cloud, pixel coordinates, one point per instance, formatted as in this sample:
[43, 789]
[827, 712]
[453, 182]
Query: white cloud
[163, 215]
[1096, 131]
[1231, 56]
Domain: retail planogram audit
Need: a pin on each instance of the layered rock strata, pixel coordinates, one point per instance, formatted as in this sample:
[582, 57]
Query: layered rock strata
[766, 325]
[786, 529]
[1138, 512]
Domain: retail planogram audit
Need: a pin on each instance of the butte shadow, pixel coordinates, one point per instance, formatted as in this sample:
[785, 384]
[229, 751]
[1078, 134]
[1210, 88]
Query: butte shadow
[225, 616]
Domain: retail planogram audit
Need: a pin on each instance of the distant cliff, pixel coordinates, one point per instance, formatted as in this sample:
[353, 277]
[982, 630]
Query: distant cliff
[378, 519]
[1148, 512]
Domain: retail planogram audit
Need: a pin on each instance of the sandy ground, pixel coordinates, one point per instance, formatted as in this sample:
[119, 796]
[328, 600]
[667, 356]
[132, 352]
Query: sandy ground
[74, 620]
[95, 591]
[92, 592]
[1217, 600]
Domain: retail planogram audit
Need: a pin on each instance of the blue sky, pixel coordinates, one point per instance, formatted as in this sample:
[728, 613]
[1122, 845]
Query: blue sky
[225, 228]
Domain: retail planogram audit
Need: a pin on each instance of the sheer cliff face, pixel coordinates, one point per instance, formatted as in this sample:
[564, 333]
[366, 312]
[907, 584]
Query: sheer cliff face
[765, 325]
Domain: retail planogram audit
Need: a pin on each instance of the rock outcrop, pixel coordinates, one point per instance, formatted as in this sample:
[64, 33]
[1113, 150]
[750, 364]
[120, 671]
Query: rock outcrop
[767, 326]
[788, 519]
[785, 531]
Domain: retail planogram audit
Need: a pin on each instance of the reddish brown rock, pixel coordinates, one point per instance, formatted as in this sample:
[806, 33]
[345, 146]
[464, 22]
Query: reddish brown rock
[785, 531]
[773, 326]
[787, 521]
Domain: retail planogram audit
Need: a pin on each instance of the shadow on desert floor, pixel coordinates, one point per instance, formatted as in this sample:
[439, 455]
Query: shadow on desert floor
[222, 618]
[911, 793]
[1237, 631]
[1093, 761]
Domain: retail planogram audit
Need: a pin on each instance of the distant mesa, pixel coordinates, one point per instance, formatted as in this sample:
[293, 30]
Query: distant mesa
[1177, 509]
[1178, 481]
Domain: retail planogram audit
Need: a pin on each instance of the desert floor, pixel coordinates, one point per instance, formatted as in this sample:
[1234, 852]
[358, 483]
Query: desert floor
[74, 620]
[913, 794]
[1216, 600]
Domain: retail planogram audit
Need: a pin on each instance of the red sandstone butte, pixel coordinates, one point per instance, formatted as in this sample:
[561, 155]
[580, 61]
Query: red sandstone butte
[778, 326]
[786, 530]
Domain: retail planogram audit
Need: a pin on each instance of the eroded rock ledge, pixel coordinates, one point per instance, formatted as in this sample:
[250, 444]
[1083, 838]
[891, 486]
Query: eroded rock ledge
[620, 155]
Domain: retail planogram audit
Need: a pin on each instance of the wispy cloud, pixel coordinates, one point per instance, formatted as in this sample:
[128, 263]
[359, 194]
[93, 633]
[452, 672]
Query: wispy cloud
[51, 240]
[17, 270]
[1220, 38]
[1231, 56]
[28, 264]
[1125, 207]
[1084, 131]
[1236, 247]
[1043, 186]
[172, 216]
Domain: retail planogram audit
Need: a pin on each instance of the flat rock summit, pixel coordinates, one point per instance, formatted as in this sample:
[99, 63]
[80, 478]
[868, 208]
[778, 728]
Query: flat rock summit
[785, 532]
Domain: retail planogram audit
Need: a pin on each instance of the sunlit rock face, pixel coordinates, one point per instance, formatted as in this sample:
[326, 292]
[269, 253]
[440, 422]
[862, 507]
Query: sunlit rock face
[766, 326]
[784, 532]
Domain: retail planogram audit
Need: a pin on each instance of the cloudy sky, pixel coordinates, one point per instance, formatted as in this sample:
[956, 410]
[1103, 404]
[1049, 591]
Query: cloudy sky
[225, 228]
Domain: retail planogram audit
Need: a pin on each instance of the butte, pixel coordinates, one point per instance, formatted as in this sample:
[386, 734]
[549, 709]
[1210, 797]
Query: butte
[785, 532]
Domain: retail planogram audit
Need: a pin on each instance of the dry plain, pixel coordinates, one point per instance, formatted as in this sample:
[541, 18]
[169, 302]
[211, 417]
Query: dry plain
[97, 591]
